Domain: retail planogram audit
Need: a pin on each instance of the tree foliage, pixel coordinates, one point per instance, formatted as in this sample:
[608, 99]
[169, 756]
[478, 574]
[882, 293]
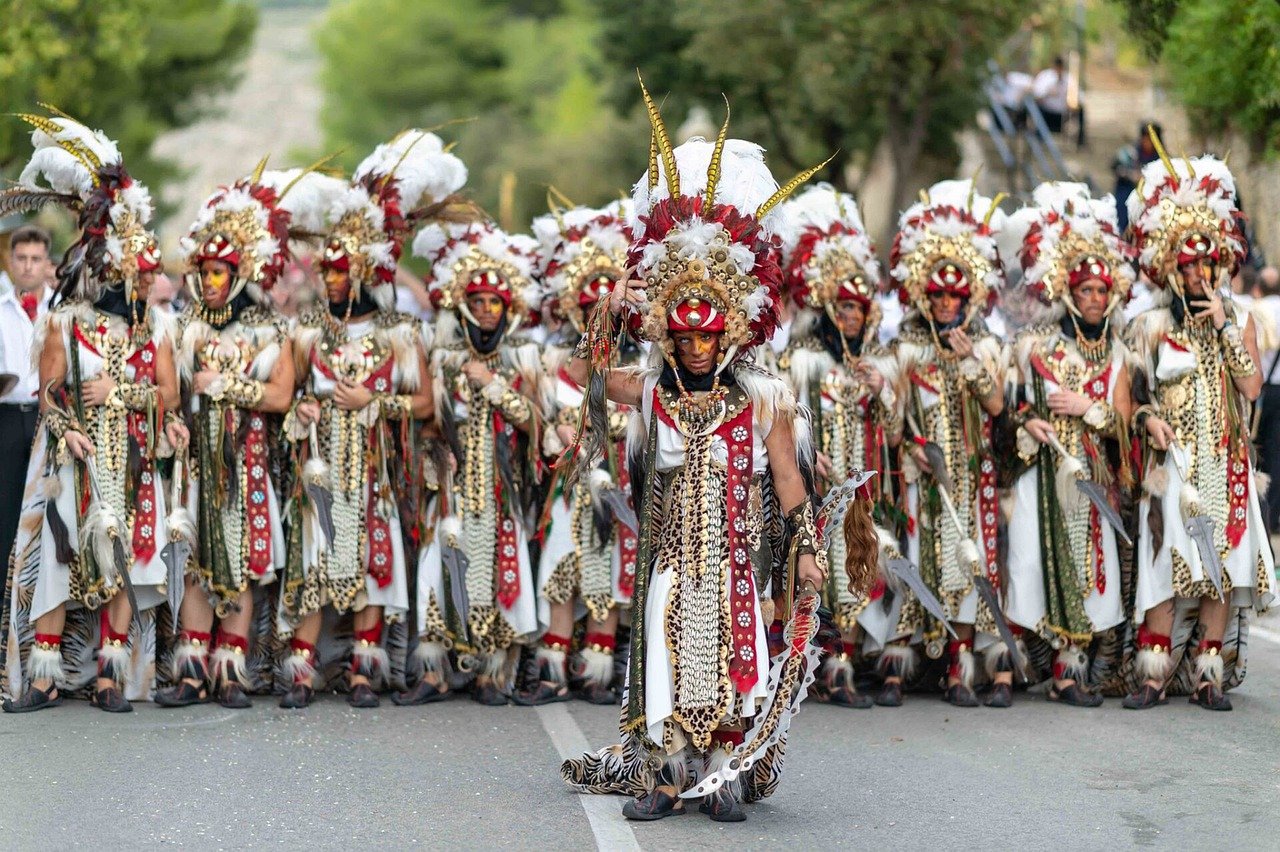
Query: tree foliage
[1223, 59]
[810, 78]
[133, 68]
[1148, 22]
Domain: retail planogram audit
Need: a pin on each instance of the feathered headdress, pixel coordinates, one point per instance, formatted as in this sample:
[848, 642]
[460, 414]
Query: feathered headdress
[1184, 211]
[407, 181]
[479, 258]
[1068, 237]
[829, 257]
[82, 170]
[946, 243]
[585, 254]
[248, 225]
[702, 239]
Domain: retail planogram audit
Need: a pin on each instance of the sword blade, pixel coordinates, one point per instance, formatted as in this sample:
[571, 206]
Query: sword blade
[938, 461]
[1200, 528]
[455, 562]
[988, 594]
[902, 568]
[622, 511]
[322, 499]
[1098, 497]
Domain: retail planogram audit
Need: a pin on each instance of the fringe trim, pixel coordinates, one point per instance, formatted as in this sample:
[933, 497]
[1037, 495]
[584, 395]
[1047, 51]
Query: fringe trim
[1071, 664]
[964, 667]
[551, 664]
[596, 666]
[1209, 667]
[299, 669]
[371, 661]
[901, 658]
[191, 661]
[836, 668]
[717, 759]
[228, 666]
[113, 662]
[46, 664]
[432, 656]
[1153, 665]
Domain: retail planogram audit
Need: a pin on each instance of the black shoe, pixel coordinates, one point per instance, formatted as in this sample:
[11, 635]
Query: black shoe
[489, 695]
[423, 693]
[183, 695]
[721, 806]
[1075, 695]
[890, 695]
[544, 692]
[847, 696]
[598, 693]
[1211, 697]
[298, 697]
[1001, 695]
[960, 695]
[33, 699]
[111, 700]
[363, 697]
[233, 697]
[1145, 698]
[653, 805]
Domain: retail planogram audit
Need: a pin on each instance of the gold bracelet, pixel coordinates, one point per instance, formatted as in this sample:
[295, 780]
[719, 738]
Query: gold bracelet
[1238, 360]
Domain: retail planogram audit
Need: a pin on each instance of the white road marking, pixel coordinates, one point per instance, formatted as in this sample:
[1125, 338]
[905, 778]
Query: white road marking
[1263, 633]
[603, 812]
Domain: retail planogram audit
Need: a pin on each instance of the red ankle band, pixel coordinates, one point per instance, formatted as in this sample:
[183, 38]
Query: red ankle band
[194, 637]
[231, 640]
[49, 639]
[298, 645]
[373, 635]
[558, 643]
[109, 635]
[601, 642]
[1149, 640]
[850, 649]
[1207, 647]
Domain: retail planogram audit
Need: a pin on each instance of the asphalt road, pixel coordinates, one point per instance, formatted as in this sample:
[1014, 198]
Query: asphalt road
[457, 775]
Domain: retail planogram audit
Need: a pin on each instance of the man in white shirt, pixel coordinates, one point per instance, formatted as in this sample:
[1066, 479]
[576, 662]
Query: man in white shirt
[1050, 91]
[24, 299]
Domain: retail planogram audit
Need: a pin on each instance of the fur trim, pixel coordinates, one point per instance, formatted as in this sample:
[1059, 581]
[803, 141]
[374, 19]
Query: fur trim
[902, 657]
[551, 664]
[190, 660]
[113, 662]
[450, 530]
[298, 668]
[966, 667]
[835, 669]
[1153, 665]
[1156, 482]
[46, 665]
[371, 661]
[996, 658]
[229, 665]
[99, 532]
[1209, 667]
[1074, 664]
[595, 667]
[493, 666]
[432, 655]
[1189, 501]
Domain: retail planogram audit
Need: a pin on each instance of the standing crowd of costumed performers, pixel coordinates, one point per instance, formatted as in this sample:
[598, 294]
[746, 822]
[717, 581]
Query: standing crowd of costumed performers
[607, 471]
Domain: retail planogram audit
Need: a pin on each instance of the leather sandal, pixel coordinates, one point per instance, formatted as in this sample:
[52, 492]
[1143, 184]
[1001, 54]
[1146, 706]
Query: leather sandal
[653, 805]
[847, 696]
[1074, 695]
[1000, 696]
[298, 697]
[1146, 697]
[489, 695]
[1211, 697]
[597, 693]
[721, 806]
[233, 697]
[363, 697]
[959, 695]
[544, 692]
[890, 694]
[424, 693]
[34, 699]
[183, 695]
[111, 700]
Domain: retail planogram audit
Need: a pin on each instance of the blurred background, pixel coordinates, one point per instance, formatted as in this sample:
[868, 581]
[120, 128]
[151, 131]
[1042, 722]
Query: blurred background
[543, 92]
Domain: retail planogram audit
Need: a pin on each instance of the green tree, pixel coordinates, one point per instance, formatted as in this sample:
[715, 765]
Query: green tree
[809, 78]
[134, 68]
[526, 73]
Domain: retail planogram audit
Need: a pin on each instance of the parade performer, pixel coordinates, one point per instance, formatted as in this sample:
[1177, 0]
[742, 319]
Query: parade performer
[237, 362]
[364, 377]
[87, 557]
[588, 557]
[1071, 417]
[475, 581]
[950, 371]
[717, 440]
[1203, 554]
[835, 364]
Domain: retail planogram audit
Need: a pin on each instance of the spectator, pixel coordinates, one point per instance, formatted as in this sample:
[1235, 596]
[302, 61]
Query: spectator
[164, 294]
[1050, 91]
[1268, 430]
[24, 299]
[1127, 168]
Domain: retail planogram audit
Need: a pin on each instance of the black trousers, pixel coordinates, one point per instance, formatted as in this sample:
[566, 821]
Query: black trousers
[1269, 451]
[17, 431]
